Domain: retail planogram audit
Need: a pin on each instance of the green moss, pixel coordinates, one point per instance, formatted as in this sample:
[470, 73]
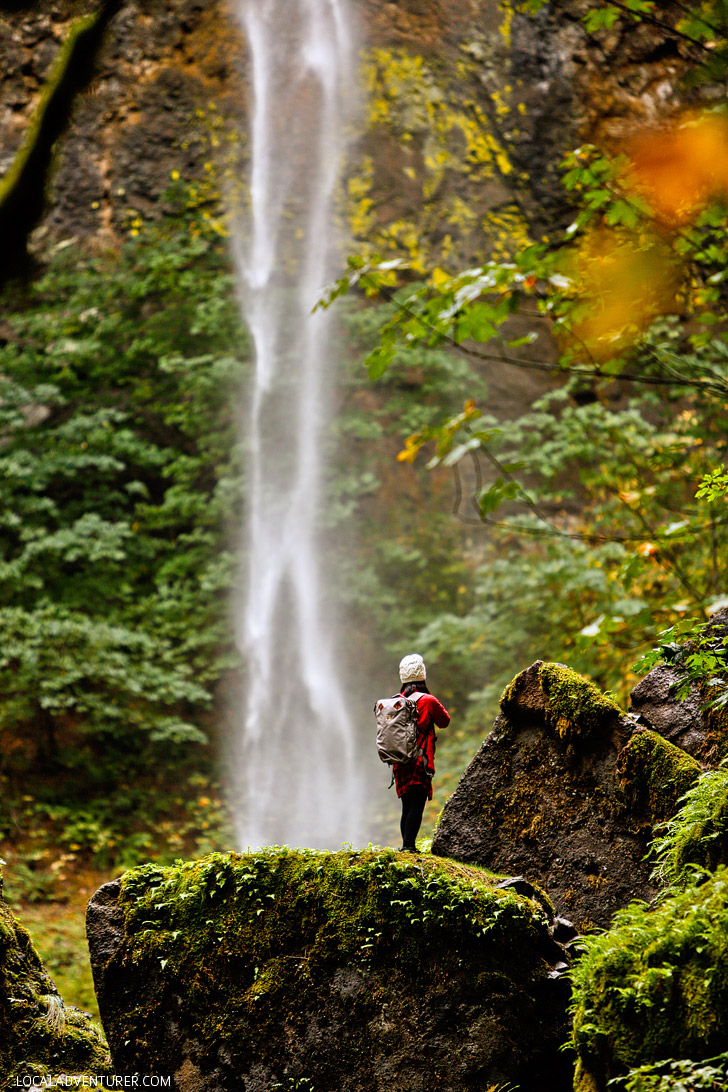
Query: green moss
[583, 1082]
[508, 697]
[654, 986]
[251, 941]
[655, 775]
[575, 707]
[39, 1034]
[571, 706]
[23, 186]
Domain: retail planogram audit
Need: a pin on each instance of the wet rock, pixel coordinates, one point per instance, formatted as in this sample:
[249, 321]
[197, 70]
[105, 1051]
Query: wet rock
[655, 774]
[519, 884]
[567, 790]
[563, 931]
[689, 722]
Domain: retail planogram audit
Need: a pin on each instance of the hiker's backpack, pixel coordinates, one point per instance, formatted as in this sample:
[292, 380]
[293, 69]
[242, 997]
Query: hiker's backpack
[397, 728]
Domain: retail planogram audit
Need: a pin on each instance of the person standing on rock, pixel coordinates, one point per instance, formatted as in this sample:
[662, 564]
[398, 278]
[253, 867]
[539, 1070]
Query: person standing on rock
[414, 779]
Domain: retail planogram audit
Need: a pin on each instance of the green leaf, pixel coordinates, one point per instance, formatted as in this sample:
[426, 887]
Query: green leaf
[601, 18]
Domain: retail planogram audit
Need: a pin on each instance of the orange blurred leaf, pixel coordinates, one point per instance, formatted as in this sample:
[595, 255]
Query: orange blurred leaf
[679, 169]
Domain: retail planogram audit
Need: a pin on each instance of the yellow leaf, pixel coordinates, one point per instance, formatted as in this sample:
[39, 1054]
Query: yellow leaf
[412, 445]
[439, 276]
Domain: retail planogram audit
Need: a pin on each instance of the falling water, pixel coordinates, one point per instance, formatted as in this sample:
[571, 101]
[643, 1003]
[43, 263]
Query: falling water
[295, 778]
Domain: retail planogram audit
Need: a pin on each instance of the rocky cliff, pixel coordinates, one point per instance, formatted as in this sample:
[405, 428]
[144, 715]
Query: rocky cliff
[467, 111]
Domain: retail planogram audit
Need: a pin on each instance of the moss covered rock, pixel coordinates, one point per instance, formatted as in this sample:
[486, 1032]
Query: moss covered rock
[655, 775]
[654, 987]
[349, 971]
[39, 1034]
[691, 720]
[542, 797]
[691, 723]
[571, 705]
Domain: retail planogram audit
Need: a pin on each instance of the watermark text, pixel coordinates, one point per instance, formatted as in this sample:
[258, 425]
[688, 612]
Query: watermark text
[85, 1080]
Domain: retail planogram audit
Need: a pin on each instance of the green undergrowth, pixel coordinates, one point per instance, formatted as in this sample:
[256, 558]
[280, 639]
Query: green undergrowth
[710, 1075]
[655, 775]
[59, 937]
[39, 1033]
[654, 987]
[697, 836]
[252, 941]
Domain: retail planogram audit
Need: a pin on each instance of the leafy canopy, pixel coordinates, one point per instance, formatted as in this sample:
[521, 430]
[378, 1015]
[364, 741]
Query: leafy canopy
[607, 499]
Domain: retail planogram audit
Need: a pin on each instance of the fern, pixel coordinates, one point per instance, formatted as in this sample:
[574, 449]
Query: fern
[696, 838]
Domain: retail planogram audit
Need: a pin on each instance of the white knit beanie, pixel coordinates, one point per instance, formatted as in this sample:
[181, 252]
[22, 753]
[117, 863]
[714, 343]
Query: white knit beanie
[412, 669]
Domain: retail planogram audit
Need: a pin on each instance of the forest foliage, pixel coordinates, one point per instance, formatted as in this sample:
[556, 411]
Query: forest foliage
[605, 503]
[122, 474]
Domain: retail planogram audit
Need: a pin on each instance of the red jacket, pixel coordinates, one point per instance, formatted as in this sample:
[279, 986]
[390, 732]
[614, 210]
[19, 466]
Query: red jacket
[431, 714]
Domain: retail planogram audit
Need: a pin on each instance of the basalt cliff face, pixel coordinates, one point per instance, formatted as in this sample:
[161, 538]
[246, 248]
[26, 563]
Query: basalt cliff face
[467, 109]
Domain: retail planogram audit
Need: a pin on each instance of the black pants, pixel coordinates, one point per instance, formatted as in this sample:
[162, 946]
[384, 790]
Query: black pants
[413, 805]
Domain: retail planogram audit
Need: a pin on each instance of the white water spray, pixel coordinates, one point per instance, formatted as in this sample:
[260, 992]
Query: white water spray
[295, 779]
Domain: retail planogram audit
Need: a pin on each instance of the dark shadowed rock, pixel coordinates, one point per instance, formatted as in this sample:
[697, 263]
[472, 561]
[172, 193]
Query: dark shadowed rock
[567, 790]
[680, 722]
[543, 797]
[105, 932]
[349, 972]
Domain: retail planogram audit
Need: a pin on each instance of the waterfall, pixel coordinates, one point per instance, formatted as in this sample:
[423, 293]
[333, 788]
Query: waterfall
[295, 778]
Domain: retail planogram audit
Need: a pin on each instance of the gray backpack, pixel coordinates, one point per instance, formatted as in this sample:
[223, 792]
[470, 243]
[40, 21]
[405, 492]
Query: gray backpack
[397, 728]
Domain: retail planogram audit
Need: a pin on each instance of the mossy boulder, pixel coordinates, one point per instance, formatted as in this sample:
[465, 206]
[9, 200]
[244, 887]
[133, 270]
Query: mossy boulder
[655, 987]
[542, 797]
[335, 971]
[655, 775]
[39, 1034]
